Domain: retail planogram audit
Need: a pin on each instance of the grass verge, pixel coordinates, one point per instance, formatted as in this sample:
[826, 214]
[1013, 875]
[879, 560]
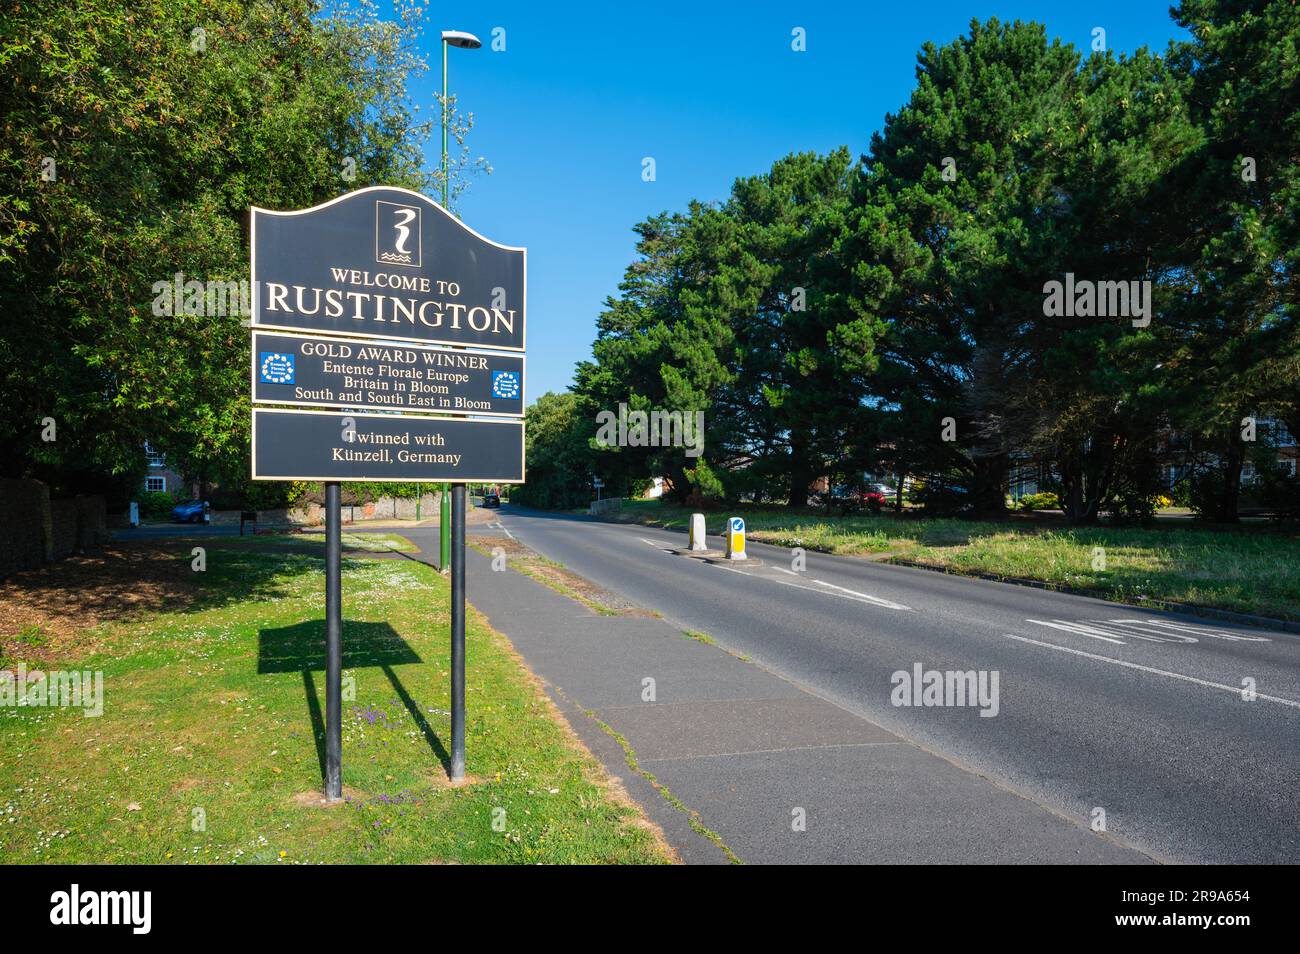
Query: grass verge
[358, 542]
[210, 745]
[557, 576]
[1249, 569]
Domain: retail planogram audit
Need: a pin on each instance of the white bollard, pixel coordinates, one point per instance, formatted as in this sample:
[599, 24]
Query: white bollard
[697, 532]
[735, 534]
[134, 519]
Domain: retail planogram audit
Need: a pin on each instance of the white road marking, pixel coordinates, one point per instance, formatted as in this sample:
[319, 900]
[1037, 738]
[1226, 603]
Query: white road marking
[1236, 690]
[1132, 627]
[732, 569]
[889, 604]
[1078, 628]
[853, 595]
[1199, 630]
[1150, 630]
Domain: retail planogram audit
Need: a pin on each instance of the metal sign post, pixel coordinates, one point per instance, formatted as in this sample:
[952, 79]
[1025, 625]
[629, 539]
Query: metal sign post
[444, 526]
[333, 644]
[457, 632]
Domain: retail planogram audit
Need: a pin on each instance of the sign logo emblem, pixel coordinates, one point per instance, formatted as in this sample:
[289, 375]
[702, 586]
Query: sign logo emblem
[277, 368]
[505, 384]
[398, 234]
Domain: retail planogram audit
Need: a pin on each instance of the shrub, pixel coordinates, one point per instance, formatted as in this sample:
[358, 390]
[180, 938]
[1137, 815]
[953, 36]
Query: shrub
[1040, 501]
[705, 484]
[155, 504]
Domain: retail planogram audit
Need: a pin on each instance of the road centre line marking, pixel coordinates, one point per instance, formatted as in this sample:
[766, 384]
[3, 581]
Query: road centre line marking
[874, 599]
[847, 594]
[1236, 690]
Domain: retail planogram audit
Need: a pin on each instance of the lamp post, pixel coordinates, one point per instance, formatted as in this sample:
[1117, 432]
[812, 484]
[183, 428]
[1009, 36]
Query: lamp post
[464, 41]
[452, 517]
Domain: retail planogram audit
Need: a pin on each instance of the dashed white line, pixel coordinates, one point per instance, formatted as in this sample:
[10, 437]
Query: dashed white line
[889, 604]
[843, 593]
[1151, 669]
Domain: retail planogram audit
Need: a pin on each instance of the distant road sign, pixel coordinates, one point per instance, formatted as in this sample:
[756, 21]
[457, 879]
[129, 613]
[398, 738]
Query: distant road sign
[325, 445]
[312, 371]
[385, 262]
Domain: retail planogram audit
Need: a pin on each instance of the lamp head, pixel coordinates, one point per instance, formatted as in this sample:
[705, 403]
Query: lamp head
[459, 38]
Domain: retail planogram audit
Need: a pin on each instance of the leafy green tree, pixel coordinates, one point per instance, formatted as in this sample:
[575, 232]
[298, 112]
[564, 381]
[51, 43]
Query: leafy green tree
[656, 348]
[1013, 164]
[1238, 349]
[137, 133]
[559, 457]
[737, 310]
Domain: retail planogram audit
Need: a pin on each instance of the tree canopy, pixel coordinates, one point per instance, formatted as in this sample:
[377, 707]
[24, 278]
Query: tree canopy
[137, 134]
[894, 315]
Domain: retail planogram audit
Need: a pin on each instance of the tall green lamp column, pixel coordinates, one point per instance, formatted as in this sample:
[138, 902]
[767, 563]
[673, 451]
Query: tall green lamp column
[464, 41]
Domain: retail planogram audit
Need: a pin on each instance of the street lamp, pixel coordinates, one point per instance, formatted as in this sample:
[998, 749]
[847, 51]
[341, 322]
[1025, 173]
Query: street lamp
[464, 41]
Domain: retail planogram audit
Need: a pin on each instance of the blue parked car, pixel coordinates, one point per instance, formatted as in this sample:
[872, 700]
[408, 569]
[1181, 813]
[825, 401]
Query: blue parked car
[190, 512]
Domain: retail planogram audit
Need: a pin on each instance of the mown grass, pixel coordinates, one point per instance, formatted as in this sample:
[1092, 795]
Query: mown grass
[1251, 569]
[360, 542]
[209, 747]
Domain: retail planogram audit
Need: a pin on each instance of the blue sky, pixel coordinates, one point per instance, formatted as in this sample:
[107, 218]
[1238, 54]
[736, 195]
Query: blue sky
[579, 96]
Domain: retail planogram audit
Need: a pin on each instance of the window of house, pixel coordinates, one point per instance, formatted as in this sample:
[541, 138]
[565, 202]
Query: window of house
[152, 457]
[155, 484]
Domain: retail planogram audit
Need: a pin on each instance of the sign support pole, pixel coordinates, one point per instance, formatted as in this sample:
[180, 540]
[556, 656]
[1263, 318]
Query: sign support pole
[333, 644]
[457, 632]
[444, 528]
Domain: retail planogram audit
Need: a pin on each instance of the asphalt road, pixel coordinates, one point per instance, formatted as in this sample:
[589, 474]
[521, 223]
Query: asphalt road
[1099, 706]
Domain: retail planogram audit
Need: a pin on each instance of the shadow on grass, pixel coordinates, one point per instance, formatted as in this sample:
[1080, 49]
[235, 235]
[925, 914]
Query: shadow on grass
[301, 648]
[127, 580]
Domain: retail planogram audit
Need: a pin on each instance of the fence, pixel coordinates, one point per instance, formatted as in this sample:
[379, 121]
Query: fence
[608, 505]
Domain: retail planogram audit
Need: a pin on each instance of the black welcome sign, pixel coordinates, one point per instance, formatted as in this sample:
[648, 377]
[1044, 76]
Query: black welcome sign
[385, 262]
